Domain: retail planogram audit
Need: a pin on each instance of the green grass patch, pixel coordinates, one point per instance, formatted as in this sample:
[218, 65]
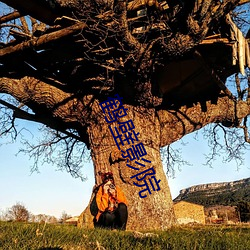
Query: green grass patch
[20, 236]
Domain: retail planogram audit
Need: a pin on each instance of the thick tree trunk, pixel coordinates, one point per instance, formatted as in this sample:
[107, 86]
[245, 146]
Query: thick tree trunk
[152, 212]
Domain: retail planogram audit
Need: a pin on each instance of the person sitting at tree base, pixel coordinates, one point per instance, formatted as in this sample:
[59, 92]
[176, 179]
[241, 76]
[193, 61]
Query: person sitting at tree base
[112, 204]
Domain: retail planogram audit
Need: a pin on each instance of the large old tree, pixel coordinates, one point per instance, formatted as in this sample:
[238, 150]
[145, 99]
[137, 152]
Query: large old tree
[168, 60]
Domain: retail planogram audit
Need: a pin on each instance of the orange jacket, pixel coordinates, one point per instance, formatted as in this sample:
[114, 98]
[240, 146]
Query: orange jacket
[102, 200]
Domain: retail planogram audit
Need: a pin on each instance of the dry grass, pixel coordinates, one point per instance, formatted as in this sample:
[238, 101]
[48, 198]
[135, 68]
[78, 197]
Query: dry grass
[36, 236]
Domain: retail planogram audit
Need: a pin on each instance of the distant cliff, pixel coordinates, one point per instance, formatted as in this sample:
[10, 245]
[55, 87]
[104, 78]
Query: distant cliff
[225, 193]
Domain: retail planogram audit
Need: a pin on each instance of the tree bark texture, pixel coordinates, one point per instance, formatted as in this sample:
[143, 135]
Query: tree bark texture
[152, 212]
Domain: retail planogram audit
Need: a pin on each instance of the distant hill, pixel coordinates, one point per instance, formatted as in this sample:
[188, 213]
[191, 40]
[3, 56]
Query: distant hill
[225, 193]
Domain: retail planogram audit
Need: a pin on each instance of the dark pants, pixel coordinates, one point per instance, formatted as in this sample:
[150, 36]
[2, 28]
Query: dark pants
[116, 219]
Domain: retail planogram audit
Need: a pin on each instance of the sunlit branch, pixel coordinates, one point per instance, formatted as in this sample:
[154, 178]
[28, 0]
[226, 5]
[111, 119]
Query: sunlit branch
[237, 81]
[24, 25]
[245, 129]
[9, 17]
[42, 40]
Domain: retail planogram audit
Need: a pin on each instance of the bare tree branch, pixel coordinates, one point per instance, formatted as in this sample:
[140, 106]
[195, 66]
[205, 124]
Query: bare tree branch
[172, 158]
[228, 144]
[61, 150]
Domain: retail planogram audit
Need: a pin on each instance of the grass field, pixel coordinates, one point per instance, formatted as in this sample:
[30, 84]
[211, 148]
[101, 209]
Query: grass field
[15, 235]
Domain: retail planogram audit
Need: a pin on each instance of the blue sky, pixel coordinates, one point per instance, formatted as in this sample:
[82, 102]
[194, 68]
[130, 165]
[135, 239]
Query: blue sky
[48, 192]
[51, 192]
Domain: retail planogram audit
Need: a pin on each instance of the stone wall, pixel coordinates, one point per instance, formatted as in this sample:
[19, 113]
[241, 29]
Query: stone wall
[186, 212]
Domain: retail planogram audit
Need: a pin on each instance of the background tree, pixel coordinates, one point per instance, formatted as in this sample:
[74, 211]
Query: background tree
[64, 217]
[43, 218]
[168, 60]
[2, 215]
[243, 210]
[18, 212]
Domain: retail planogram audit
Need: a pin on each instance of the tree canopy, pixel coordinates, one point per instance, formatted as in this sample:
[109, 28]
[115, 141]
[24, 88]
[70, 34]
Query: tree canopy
[172, 57]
